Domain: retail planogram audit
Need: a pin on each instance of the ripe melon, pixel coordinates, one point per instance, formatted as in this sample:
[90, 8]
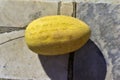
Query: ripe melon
[56, 35]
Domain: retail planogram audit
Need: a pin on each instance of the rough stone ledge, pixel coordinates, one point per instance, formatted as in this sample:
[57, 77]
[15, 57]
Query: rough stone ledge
[104, 20]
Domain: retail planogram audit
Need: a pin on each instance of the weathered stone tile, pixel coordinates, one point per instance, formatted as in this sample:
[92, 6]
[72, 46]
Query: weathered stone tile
[19, 13]
[104, 20]
[66, 8]
[67, 1]
[100, 1]
[11, 36]
[18, 62]
[49, 0]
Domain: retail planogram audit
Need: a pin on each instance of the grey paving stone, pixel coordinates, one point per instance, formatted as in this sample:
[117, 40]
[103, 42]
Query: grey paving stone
[100, 1]
[18, 62]
[66, 8]
[18, 13]
[104, 20]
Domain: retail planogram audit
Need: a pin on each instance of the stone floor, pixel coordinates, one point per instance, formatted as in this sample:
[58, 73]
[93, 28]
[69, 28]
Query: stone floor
[98, 59]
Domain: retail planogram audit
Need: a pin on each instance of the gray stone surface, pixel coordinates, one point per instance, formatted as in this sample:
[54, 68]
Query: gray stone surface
[18, 62]
[100, 1]
[93, 1]
[19, 13]
[66, 8]
[104, 20]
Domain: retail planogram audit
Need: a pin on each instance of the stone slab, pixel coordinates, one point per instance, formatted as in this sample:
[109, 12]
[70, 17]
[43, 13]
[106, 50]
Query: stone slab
[66, 8]
[104, 21]
[67, 1]
[92, 1]
[18, 62]
[99, 1]
[19, 13]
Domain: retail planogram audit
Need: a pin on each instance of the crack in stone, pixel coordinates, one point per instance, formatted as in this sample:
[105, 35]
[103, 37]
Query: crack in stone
[11, 40]
[4, 29]
[74, 9]
[71, 56]
[59, 5]
[70, 66]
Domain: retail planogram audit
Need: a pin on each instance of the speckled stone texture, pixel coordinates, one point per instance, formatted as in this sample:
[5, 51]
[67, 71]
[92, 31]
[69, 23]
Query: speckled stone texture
[20, 63]
[104, 20]
[19, 13]
[16, 60]
[66, 8]
[99, 1]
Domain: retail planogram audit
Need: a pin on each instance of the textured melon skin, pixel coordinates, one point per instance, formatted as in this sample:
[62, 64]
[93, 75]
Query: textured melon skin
[55, 35]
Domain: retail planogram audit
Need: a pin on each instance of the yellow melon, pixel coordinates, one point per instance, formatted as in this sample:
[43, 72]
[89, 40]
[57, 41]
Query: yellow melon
[55, 35]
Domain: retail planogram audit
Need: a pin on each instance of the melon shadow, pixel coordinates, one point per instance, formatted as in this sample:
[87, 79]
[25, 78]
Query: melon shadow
[88, 64]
